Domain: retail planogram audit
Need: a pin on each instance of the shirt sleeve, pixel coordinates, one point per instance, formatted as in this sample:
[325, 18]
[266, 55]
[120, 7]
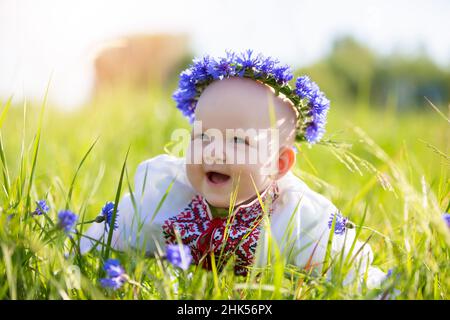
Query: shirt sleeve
[332, 241]
[161, 190]
[302, 225]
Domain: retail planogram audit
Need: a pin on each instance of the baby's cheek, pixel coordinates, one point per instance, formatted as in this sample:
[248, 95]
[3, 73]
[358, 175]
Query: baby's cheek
[194, 175]
[249, 174]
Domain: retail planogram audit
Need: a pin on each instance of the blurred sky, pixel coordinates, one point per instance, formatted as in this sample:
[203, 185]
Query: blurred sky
[40, 38]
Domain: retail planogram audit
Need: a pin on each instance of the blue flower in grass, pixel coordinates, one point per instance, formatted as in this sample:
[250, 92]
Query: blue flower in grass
[179, 255]
[41, 207]
[107, 215]
[115, 275]
[393, 274]
[66, 220]
[446, 217]
[389, 273]
[340, 224]
[113, 268]
[112, 283]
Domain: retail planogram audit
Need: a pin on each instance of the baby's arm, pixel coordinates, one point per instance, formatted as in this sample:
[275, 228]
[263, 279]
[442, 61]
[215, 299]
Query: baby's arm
[314, 244]
[355, 256]
[96, 236]
[160, 191]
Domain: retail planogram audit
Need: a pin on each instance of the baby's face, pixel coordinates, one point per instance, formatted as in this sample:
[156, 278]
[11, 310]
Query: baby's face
[241, 131]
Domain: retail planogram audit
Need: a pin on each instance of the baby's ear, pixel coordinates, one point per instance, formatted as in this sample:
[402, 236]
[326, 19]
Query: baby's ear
[286, 161]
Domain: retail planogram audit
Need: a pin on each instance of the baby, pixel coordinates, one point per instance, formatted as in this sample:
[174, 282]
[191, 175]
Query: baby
[233, 196]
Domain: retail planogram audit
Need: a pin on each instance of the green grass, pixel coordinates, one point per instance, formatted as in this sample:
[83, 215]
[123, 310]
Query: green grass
[387, 169]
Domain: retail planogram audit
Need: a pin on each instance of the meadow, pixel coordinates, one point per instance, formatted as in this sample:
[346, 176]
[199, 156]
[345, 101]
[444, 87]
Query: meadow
[384, 169]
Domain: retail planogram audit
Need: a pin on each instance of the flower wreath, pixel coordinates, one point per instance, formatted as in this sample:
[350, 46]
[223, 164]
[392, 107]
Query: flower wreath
[311, 104]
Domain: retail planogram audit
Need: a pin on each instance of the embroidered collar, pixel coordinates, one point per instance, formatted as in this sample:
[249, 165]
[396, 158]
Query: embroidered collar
[253, 207]
[224, 237]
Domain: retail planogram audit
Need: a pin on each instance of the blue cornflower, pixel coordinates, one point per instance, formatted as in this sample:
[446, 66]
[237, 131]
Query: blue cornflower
[187, 78]
[318, 107]
[319, 103]
[185, 102]
[305, 88]
[248, 61]
[179, 256]
[107, 214]
[446, 217]
[112, 283]
[340, 224]
[200, 69]
[312, 132]
[267, 65]
[113, 268]
[223, 68]
[186, 93]
[41, 207]
[282, 74]
[392, 273]
[389, 273]
[115, 275]
[66, 220]
[315, 129]
[189, 107]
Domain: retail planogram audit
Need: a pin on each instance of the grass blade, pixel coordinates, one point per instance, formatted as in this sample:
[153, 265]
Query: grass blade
[116, 203]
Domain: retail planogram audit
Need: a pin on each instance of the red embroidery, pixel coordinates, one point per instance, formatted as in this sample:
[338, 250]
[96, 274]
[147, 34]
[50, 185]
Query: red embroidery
[235, 235]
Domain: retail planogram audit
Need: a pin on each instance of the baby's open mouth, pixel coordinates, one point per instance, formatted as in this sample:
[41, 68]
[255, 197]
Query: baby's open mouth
[217, 177]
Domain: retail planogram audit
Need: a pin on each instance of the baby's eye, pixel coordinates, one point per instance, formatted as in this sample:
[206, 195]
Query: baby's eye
[204, 137]
[201, 136]
[239, 140]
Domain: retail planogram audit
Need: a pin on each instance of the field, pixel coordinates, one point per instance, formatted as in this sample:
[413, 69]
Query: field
[386, 167]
